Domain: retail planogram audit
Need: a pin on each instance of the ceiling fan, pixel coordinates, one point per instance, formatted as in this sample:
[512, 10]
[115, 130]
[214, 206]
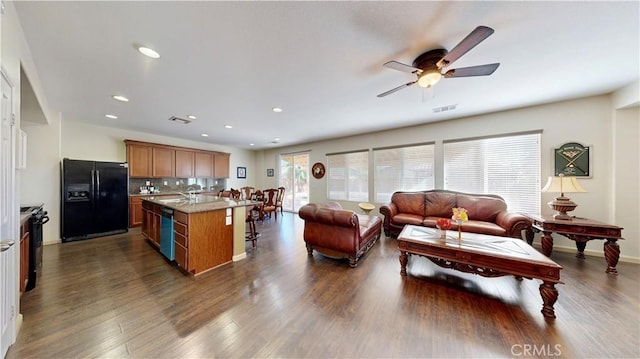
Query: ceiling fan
[429, 66]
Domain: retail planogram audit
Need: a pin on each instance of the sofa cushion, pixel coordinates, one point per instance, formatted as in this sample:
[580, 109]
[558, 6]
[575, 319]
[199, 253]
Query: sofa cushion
[368, 225]
[483, 228]
[409, 202]
[407, 218]
[481, 208]
[440, 204]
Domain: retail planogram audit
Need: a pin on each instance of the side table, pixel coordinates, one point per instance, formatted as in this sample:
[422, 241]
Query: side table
[366, 207]
[580, 230]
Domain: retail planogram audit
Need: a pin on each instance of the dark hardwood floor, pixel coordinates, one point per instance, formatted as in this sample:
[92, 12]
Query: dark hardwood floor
[117, 297]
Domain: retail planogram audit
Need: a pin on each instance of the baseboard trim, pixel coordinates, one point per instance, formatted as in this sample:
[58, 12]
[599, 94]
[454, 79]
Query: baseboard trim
[589, 252]
[239, 257]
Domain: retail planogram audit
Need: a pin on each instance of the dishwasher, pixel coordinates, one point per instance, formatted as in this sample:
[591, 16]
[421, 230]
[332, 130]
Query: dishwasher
[167, 248]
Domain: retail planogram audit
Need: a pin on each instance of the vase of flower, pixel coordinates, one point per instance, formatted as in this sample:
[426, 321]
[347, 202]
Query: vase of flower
[443, 224]
[460, 215]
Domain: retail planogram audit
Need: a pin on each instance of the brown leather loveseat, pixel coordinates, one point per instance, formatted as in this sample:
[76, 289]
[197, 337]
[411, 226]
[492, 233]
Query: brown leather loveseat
[488, 213]
[339, 233]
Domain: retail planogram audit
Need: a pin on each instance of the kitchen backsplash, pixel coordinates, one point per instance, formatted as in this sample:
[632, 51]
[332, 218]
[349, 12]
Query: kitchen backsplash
[169, 185]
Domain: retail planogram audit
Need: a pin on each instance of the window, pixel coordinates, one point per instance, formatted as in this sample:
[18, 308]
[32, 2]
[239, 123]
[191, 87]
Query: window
[402, 169]
[508, 166]
[348, 176]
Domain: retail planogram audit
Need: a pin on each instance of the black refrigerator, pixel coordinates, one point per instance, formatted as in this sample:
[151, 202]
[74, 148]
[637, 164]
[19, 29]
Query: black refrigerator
[95, 199]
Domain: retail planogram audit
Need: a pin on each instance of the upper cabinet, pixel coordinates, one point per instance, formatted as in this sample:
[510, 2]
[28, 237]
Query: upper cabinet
[164, 162]
[185, 162]
[204, 164]
[151, 160]
[139, 159]
[221, 169]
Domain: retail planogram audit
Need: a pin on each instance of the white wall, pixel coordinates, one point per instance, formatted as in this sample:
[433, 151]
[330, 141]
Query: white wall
[626, 176]
[48, 144]
[588, 121]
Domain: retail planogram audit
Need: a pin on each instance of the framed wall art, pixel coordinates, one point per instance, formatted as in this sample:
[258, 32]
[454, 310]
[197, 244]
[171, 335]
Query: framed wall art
[270, 172]
[242, 172]
[572, 159]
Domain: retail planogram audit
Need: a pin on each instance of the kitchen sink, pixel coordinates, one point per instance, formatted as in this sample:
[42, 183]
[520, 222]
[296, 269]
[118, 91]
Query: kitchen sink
[172, 200]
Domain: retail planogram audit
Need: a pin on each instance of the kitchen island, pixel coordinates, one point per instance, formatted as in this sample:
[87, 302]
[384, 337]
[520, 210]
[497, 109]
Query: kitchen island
[199, 233]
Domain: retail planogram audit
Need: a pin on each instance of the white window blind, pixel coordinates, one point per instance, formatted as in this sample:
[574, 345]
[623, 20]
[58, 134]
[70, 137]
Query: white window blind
[508, 166]
[402, 169]
[348, 176]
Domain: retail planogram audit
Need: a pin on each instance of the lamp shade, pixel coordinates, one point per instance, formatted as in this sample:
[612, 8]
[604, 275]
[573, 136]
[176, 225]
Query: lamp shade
[562, 185]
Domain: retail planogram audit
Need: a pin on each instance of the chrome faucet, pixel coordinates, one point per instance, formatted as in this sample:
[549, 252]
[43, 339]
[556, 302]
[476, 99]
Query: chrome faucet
[191, 193]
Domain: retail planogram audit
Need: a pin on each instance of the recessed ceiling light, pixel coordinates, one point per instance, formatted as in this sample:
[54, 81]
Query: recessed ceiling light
[252, 144]
[120, 98]
[228, 126]
[113, 117]
[191, 117]
[149, 52]
[276, 139]
[204, 135]
[276, 109]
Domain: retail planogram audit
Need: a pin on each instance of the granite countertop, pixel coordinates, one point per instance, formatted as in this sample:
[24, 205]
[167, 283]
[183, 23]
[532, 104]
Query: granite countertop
[168, 193]
[202, 203]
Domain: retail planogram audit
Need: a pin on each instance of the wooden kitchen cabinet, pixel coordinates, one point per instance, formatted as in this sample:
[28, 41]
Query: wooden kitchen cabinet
[151, 222]
[24, 254]
[202, 240]
[181, 239]
[164, 162]
[221, 168]
[139, 159]
[135, 211]
[185, 163]
[203, 164]
[151, 160]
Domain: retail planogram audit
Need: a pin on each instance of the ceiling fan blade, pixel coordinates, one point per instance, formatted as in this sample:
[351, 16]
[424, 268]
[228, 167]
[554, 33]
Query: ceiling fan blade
[474, 38]
[397, 89]
[482, 70]
[401, 67]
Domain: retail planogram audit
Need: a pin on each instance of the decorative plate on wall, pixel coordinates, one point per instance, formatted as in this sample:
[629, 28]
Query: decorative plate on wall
[318, 170]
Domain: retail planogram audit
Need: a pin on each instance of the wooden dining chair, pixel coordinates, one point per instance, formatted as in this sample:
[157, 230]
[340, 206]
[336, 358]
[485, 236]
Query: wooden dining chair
[247, 192]
[280, 198]
[269, 206]
[258, 196]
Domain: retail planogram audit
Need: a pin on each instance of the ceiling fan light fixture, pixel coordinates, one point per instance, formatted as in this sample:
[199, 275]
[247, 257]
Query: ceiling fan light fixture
[428, 79]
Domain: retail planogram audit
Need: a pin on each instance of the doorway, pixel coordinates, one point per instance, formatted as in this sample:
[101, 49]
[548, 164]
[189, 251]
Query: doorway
[294, 177]
[8, 254]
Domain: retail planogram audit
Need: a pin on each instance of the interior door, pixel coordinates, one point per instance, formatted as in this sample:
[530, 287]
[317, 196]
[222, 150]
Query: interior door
[9, 251]
[294, 177]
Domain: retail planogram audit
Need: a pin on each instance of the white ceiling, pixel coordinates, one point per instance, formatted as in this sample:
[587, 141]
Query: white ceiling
[231, 62]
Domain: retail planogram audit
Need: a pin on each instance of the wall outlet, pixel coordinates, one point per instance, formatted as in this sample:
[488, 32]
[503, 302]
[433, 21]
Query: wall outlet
[148, 183]
[177, 183]
[166, 183]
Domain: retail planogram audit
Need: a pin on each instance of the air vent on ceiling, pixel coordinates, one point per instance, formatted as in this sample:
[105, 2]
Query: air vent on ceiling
[178, 119]
[445, 108]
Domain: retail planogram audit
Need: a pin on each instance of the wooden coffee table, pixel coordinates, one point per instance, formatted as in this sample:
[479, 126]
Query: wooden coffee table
[485, 255]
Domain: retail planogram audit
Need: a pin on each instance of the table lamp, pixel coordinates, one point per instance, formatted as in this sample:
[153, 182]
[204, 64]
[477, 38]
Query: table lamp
[562, 204]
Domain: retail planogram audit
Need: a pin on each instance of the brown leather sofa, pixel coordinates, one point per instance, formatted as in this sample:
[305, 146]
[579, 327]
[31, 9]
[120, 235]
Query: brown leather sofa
[488, 213]
[339, 233]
